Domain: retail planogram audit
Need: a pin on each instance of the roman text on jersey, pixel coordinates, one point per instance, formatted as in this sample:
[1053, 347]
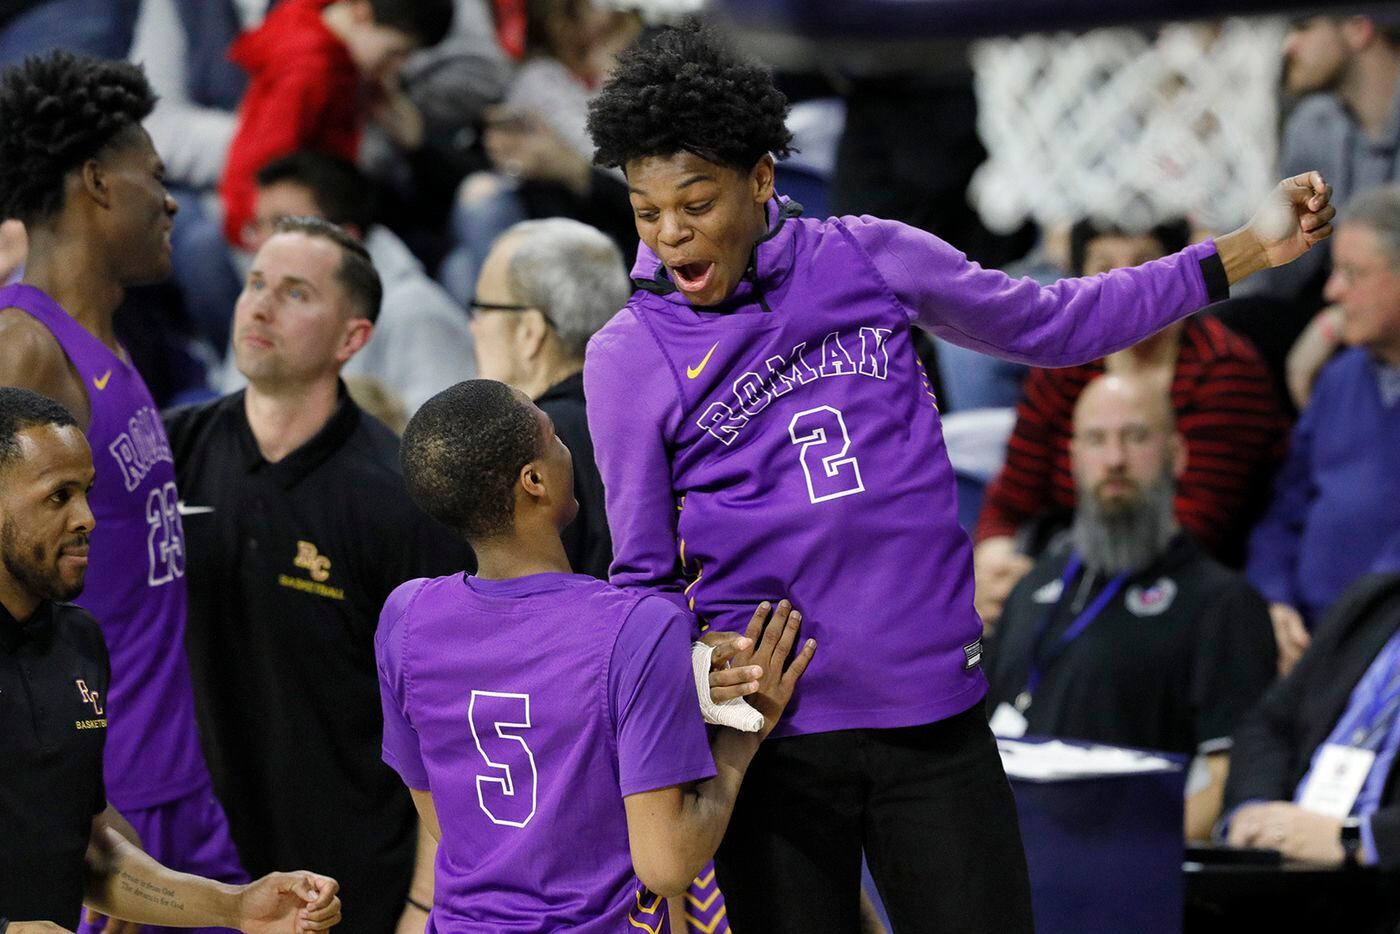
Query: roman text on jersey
[752, 391]
[140, 447]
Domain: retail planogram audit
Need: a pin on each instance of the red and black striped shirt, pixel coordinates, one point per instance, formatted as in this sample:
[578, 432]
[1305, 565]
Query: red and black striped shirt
[1227, 409]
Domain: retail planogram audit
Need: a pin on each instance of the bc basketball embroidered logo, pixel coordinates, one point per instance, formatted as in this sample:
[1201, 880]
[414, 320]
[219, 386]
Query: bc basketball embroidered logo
[89, 697]
[315, 564]
[317, 567]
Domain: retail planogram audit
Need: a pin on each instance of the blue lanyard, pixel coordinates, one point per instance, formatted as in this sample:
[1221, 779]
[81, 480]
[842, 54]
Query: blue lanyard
[1380, 712]
[1075, 630]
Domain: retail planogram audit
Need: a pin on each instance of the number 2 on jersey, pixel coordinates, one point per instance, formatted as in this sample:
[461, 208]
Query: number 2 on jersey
[508, 792]
[825, 441]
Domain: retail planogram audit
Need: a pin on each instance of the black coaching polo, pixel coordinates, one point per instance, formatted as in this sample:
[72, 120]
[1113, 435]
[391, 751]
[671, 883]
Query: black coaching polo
[53, 723]
[1172, 662]
[289, 564]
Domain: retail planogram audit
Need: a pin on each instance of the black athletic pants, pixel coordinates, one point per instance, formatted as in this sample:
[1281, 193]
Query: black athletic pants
[930, 806]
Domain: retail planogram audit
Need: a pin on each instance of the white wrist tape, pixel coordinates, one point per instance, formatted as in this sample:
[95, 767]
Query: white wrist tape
[734, 713]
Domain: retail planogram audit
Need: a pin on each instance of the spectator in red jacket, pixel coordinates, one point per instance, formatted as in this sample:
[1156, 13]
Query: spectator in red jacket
[1226, 406]
[318, 69]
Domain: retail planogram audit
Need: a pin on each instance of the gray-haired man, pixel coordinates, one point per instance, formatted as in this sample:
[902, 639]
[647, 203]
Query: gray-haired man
[1335, 515]
[543, 290]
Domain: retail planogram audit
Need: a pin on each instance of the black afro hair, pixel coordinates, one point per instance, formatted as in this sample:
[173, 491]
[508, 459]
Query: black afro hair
[56, 112]
[685, 92]
[462, 452]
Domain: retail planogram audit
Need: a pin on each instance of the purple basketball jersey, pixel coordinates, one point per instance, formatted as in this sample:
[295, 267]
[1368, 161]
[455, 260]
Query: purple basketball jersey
[787, 444]
[135, 580]
[530, 708]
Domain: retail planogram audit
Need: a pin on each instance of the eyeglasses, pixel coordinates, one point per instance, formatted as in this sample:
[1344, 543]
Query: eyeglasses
[477, 306]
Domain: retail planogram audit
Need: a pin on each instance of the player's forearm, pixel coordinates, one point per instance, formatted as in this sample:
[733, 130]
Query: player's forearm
[1242, 254]
[124, 882]
[707, 810]
[420, 889]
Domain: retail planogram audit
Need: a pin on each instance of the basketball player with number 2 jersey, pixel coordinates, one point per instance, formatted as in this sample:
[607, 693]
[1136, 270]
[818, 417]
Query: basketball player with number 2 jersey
[763, 427]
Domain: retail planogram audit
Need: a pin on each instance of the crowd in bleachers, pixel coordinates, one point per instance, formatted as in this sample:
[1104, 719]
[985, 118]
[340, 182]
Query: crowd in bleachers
[1236, 477]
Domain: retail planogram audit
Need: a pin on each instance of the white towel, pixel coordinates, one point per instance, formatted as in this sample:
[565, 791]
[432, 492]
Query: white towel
[734, 713]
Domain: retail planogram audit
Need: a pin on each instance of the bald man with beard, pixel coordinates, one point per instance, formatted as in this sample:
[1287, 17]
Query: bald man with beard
[1125, 632]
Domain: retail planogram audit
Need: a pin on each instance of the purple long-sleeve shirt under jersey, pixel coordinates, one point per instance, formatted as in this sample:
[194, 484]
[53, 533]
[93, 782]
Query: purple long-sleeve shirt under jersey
[786, 444]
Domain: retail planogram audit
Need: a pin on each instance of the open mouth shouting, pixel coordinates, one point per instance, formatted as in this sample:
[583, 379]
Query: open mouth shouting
[693, 276]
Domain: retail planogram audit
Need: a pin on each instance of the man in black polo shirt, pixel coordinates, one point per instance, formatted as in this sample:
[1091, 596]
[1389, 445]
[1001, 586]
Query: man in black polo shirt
[1125, 632]
[59, 839]
[544, 289]
[298, 527]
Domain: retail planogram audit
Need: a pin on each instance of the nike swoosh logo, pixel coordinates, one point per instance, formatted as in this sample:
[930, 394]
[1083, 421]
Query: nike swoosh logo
[694, 371]
[101, 381]
[193, 510]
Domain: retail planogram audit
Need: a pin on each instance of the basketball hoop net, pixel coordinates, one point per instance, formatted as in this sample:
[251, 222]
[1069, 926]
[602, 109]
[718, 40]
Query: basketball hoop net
[1128, 128]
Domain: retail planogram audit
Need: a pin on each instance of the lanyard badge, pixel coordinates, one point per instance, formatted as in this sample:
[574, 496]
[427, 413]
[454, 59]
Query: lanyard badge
[1009, 720]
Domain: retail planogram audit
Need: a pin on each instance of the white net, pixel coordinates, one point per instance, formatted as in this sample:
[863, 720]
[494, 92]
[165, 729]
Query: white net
[1129, 127]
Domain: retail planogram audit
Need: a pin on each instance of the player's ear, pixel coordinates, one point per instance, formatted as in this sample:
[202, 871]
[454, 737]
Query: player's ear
[93, 180]
[531, 480]
[761, 179]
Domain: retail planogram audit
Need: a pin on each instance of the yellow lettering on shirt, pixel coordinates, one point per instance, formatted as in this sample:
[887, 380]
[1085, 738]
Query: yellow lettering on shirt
[311, 587]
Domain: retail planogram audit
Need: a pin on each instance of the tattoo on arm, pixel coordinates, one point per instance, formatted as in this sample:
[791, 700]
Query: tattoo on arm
[146, 890]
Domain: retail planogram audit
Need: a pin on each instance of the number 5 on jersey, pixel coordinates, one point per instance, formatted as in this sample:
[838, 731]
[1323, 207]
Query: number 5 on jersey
[507, 793]
[825, 441]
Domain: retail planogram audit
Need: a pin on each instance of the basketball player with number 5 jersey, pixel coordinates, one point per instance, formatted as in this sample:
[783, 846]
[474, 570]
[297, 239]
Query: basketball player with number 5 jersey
[84, 178]
[546, 722]
[763, 427]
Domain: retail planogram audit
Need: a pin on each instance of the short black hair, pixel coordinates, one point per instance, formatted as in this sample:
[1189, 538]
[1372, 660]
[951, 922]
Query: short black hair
[56, 112]
[341, 191]
[356, 272]
[462, 452]
[1173, 235]
[22, 409]
[427, 21]
[685, 92]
